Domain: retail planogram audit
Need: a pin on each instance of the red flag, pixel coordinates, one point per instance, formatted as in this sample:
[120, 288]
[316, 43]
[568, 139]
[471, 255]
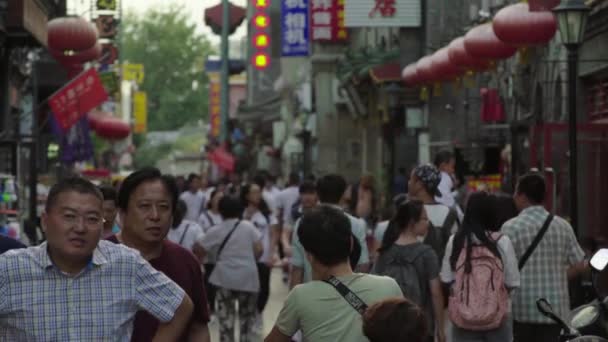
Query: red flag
[222, 159]
[76, 98]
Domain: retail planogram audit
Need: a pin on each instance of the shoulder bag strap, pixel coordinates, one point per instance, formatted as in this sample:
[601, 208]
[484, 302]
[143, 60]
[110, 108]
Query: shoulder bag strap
[184, 233]
[219, 251]
[355, 301]
[539, 236]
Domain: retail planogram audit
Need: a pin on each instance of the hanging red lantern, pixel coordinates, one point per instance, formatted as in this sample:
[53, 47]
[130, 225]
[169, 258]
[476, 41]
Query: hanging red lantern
[71, 34]
[410, 75]
[443, 67]
[112, 128]
[481, 42]
[460, 57]
[77, 57]
[424, 70]
[516, 25]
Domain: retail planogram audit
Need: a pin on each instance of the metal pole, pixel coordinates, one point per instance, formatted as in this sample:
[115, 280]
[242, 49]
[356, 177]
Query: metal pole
[224, 75]
[572, 132]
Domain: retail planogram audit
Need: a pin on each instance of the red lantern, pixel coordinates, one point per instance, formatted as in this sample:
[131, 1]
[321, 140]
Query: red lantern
[112, 128]
[516, 25]
[424, 70]
[71, 33]
[410, 75]
[460, 57]
[77, 57]
[442, 66]
[481, 42]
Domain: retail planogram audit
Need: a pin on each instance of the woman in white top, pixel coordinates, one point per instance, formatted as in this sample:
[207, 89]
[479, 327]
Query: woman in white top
[211, 216]
[258, 212]
[479, 221]
[184, 232]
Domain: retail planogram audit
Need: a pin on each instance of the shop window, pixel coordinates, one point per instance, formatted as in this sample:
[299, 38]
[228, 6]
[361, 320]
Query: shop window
[597, 100]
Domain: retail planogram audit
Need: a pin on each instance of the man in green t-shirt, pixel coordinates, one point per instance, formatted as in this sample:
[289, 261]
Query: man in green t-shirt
[316, 308]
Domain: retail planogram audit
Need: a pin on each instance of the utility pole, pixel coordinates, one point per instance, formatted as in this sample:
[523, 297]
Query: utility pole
[224, 74]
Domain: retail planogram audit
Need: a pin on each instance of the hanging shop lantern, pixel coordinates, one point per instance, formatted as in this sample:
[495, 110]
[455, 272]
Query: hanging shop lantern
[443, 68]
[410, 75]
[111, 128]
[424, 70]
[517, 26]
[460, 57]
[71, 34]
[481, 42]
[70, 57]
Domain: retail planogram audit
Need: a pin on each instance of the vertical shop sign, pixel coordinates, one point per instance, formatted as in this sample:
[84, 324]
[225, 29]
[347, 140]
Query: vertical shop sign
[327, 21]
[214, 104]
[294, 27]
[140, 112]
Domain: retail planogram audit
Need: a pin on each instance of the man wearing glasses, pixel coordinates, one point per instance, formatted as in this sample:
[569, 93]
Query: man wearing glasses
[74, 287]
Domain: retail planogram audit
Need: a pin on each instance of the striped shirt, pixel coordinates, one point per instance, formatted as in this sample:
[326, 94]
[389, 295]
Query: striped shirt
[544, 275]
[38, 302]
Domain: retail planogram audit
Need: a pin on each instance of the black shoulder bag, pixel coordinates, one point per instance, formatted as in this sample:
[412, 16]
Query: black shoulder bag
[535, 242]
[226, 240]
[184, 234]
[355, 301]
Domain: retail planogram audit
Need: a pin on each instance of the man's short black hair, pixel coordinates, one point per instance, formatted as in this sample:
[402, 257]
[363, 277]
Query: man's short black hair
[331, 188]
[192, 177]
[532, 185]
[109, 193]
[444, 156]
[294, 178]
[325, 233]
[147, 174]
[230, 207]
[75, 184]
[308, 188]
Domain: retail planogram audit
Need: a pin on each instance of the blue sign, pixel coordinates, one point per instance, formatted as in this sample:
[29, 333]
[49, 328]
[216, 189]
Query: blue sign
[76, 144]
[295, 28]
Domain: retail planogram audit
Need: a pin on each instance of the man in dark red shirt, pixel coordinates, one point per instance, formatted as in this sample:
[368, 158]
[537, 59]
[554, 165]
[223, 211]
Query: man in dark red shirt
[146, 202]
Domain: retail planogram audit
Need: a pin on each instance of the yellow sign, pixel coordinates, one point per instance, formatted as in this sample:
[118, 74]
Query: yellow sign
[133, 72]
[140, 112]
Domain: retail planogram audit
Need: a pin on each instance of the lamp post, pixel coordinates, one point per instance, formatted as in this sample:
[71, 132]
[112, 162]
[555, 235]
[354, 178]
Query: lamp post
[572, 19]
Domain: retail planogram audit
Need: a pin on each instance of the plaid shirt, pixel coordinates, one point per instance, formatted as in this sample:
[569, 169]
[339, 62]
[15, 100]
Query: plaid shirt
[544, 275]
[38, 302]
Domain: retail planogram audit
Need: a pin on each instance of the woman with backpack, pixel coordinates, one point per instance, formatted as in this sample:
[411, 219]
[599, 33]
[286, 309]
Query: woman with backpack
[480, 267]
[412, 264]
[258, 213]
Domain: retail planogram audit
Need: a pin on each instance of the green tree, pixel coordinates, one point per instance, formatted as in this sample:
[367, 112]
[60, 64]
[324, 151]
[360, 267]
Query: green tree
[173, 55]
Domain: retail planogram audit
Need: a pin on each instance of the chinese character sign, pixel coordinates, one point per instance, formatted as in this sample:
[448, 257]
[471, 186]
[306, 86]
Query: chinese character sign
[78, 97]
[383, 13]
[327, 20]
[294, 28]
[214, 104]
[140, 112]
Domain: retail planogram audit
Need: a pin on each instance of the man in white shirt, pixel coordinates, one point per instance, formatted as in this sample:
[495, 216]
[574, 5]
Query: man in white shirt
[195, 200]
[287, 198]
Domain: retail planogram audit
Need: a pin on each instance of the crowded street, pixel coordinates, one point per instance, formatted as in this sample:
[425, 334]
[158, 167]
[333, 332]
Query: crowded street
[303, 170]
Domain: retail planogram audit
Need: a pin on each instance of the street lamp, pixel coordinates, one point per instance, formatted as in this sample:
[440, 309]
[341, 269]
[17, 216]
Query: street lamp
[572, 19]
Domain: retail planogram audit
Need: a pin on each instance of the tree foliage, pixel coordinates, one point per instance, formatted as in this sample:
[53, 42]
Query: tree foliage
[173, 55]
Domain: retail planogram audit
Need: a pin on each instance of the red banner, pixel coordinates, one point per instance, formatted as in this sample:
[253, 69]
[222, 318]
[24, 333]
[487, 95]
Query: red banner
[327, 21]
[76, 98]
[214, 106]
[542, 5]
[222, 159]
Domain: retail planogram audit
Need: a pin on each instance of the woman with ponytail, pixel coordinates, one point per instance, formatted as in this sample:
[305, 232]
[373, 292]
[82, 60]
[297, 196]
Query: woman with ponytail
[460, 260]
[414, 265]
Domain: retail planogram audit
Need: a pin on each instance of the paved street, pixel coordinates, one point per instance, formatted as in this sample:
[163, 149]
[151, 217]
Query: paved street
[278, 292]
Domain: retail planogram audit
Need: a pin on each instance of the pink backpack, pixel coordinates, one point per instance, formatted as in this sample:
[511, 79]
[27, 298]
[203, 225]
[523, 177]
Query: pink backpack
[479, 299]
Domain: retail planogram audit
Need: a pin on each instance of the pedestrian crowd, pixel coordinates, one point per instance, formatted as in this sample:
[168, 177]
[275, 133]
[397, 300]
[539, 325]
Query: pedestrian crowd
[158, 258]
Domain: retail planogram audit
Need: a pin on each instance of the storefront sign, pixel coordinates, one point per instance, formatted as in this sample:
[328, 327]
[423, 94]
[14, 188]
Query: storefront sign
[133, 72]
[215, 119]
[76, 144]
[29, 16]
[110, 81]
[107, 26]
[294, 26]
[327, 20]
[140, 112]
[78, 97]
[383, 13]
[107, 5]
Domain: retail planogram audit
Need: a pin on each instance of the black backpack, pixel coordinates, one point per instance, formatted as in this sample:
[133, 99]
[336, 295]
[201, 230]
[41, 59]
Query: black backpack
[437, 237]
